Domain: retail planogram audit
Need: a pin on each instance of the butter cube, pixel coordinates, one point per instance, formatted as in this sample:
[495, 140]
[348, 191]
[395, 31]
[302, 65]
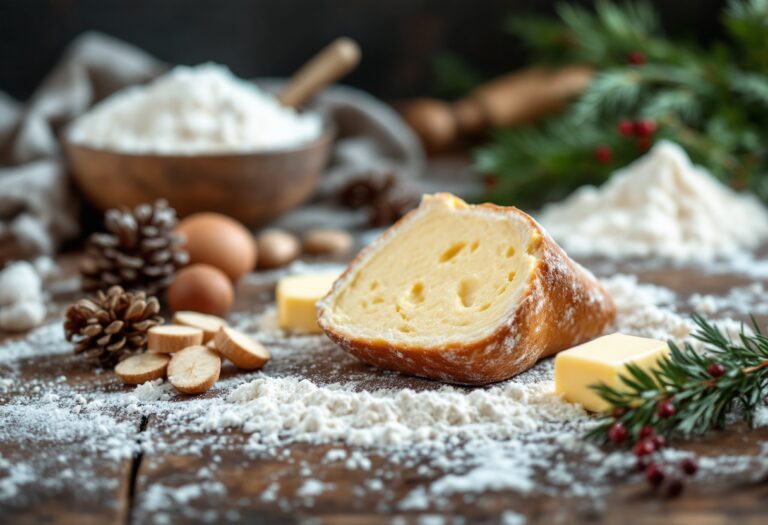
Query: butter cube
[296, 299]
[603, 361]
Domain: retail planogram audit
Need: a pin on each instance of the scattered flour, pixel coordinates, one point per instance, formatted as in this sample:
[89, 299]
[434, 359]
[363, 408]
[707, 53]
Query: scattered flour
[193, 110]
[513, 518]
[659, 206]
[646, 310]
[313, 487]
[459, 443]
[742, 300]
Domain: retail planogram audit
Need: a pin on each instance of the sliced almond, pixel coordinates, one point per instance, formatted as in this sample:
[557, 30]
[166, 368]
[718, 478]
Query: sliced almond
[209, 324]
[194, 370]
[141, 368]
[245, 352]
[170, 338]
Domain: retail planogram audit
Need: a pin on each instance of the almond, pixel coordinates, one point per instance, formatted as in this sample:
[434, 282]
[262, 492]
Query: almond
[141, 368]
[209, 324]
[245, 352]
[171, 338]
[327, 242]
[194, 369]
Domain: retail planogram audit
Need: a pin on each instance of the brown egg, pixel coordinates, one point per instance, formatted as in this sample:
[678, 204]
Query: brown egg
[201, 288]
[215, 239]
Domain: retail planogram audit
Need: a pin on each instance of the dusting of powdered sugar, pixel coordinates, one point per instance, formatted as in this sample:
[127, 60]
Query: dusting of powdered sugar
[659, 206]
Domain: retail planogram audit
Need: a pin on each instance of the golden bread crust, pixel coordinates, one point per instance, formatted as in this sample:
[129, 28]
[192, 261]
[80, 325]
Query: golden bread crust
[563, 306]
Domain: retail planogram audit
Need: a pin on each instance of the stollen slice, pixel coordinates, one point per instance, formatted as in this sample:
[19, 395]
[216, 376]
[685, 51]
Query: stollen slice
[209, 324]
[244, 351]
[463, 294]
[141, 368]
[194, 369]
[170, 338]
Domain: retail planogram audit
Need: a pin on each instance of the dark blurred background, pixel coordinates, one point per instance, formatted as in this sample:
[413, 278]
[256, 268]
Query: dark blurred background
[402, 40]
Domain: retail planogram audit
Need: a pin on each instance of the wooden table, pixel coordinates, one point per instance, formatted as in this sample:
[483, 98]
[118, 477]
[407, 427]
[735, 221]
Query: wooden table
[130, 489]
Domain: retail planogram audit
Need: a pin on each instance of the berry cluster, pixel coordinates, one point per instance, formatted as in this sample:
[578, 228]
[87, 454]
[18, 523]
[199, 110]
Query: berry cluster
[641, 131]
[647, 445]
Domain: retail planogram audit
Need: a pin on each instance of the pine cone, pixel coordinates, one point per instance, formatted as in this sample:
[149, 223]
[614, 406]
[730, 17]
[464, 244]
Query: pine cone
[366, 189]
[111, 326]
[139, 250]
[390, 208]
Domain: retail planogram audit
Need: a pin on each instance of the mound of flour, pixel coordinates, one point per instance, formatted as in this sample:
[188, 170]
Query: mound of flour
[661, 205]
[192, 110]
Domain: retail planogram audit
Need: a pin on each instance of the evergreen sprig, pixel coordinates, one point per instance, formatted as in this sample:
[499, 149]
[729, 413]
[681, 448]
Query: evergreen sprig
[713, 101]
[703, 387]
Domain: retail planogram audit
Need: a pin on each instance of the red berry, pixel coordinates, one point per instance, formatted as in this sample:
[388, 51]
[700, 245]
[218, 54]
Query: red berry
[645, 128]
[654, 474]
[665, 409]
[603, 154]
[636, 58]
[646, 432]
[658, 442]
[715, 370]
[641, 464]
[617, 433]
[675, 487]
[618, 412]
[643, 448]
[626, 128]
[690, 466]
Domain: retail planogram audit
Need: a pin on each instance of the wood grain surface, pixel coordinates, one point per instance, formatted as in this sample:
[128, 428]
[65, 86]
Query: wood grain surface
[173, 463]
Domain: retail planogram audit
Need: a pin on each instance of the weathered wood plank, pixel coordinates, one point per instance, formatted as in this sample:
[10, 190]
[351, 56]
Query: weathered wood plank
[57, 450]
[233, 490]
[238, 480]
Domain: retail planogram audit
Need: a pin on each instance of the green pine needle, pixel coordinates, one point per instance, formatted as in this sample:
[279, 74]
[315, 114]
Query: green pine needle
[702, 402]
[713, 101]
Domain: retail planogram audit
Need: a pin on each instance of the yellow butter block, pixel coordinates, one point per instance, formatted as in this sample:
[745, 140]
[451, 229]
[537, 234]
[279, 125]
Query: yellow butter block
[296, 298]
[602, 361]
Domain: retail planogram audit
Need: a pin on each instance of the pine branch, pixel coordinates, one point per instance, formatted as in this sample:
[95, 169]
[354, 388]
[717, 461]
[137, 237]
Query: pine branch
[714, 102]
[703, 388]
[752, 86]
[747, 24]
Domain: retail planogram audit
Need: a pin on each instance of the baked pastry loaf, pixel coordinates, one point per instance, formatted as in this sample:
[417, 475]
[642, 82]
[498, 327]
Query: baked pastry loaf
[463, 294]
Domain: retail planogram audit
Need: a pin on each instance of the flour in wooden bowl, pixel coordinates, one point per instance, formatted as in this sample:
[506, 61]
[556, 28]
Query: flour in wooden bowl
[194, 110]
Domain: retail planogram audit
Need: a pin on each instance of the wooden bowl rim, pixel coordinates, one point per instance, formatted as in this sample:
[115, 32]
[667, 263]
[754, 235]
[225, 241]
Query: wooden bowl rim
[327, 134]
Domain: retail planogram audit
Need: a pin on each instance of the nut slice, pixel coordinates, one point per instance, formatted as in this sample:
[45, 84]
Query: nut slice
[171, 338]
[244, 351]
[141, 368]
[209, 324]
[194, 369]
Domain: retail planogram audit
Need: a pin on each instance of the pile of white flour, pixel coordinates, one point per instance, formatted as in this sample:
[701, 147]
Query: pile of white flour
[194, 110]
[659, 206]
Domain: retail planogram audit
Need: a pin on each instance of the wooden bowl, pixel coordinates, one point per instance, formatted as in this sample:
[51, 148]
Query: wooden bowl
[251, 187]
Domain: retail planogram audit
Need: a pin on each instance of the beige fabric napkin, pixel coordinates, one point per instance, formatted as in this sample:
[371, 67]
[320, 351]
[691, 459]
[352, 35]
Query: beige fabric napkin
[38, 204]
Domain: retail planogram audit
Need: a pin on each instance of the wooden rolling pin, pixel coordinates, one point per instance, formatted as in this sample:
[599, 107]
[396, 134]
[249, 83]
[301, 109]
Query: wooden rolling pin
[512, 99]
[336, 60]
